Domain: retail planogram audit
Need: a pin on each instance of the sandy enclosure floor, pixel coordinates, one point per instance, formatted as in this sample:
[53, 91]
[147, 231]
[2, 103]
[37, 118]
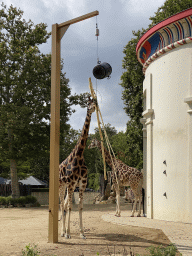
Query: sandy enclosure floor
[21, 226]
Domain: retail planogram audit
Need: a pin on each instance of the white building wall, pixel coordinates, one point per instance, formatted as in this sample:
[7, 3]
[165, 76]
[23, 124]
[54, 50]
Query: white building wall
[169, 137]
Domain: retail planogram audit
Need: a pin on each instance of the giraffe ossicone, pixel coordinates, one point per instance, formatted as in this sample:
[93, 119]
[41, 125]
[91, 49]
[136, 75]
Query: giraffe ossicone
[73, 173]
[123, 175]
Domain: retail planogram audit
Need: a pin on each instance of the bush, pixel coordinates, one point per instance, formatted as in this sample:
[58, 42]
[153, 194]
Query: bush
[94, 181]
[3, 200]
[11, 201]
[170, 250]
[40, 190]
[30, 251]
[21, 200]
[31, 200]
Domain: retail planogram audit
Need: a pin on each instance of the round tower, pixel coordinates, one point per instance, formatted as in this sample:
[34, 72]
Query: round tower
[165, 51]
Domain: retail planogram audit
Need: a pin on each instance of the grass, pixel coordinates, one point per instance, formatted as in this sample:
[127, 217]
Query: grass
[170, 250]
[31, 251]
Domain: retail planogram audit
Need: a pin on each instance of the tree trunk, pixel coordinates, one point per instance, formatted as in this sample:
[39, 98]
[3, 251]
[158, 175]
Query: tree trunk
[13, 169]
[14, 179]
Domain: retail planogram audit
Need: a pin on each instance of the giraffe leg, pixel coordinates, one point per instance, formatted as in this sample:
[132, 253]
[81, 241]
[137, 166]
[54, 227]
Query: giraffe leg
[82, 186]
[135, 202]
[69, 206]
[64, 215]
[63, 209]
[140, 199]
[134, 206]
[118, 212]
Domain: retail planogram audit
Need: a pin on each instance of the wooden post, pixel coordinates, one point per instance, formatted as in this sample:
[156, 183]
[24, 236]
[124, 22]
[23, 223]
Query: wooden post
[57, 33]
[54, 137]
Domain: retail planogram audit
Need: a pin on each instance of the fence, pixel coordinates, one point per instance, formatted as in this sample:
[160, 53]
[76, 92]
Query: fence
[5, 190]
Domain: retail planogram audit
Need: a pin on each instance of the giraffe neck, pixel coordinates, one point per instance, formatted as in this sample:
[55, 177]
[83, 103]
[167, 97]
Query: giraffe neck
[81, 144]
[107, 155]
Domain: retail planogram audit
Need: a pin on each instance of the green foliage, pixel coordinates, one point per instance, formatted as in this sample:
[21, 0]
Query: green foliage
[30, 251]
[70, 138]
[31, 199]
[3, 200]
[132, 83]
[40, 189]
[134, 149]
[21, 200]
[93, 181]
[119, 145]
[96, 164]
[170, 250]
[25, 89]
[110, 130]
[7, 200]
[169, 8]
[132, 79]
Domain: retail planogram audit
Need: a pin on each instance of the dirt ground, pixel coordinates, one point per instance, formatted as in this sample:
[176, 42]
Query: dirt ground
[21, 226]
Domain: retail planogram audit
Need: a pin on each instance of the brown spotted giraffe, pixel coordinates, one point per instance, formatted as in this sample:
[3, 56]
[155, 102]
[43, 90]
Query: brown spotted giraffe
[126, 176]
[73, 173]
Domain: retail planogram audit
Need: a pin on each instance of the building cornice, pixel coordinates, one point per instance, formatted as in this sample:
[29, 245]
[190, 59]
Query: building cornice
[165, 36]
[148, 113]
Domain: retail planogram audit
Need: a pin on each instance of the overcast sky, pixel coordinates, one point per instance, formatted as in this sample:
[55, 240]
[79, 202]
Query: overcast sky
[116, 20]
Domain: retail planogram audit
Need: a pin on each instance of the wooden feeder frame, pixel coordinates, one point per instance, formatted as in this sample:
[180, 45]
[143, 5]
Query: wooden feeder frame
[58, 30]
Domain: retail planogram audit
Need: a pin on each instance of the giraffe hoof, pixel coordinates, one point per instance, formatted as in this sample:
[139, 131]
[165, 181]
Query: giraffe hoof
[138, 215]
[82, 236]
[132, 216]
[67, 236]
[62, 235]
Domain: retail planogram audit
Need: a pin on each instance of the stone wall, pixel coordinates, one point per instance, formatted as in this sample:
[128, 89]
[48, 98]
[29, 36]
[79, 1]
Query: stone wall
[43, 197]
[88, 197]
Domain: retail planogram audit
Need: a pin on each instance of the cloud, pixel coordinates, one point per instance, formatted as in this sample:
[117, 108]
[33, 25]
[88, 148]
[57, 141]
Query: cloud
[116, 20]
[141, 7]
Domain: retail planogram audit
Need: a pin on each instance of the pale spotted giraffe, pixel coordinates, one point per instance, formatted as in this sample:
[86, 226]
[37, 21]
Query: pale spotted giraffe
[129, 196]
[126, 176]
[73, 173]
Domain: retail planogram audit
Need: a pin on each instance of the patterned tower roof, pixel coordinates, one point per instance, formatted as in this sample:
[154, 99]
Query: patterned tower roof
[165, 36]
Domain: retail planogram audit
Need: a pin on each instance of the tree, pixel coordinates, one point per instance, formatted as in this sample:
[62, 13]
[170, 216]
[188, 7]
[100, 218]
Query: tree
[25, 83]
[93, 157]
[169, 8]
[132, 81]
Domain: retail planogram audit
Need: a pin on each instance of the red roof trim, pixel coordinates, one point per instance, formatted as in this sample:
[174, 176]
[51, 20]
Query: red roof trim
[162, 24]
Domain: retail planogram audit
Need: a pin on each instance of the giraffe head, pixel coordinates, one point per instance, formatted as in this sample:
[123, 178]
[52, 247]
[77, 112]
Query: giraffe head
[94, 143]
[91, 105]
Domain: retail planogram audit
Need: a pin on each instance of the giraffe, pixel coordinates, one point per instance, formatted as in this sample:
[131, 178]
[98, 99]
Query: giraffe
[129, 196]
[126, 176]
[73, 173]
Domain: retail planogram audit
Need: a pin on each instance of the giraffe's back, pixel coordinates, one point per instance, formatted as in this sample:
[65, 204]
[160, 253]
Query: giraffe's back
[127, 176]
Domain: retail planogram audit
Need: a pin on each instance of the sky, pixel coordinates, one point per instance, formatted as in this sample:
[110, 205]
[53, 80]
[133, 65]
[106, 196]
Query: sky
[116, 21]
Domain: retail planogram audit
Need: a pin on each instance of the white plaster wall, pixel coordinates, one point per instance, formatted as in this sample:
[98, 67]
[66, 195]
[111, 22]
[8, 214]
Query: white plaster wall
[171, 84]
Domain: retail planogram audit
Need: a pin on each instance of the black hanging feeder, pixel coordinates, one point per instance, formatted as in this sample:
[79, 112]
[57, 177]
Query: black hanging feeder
[102, 70]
